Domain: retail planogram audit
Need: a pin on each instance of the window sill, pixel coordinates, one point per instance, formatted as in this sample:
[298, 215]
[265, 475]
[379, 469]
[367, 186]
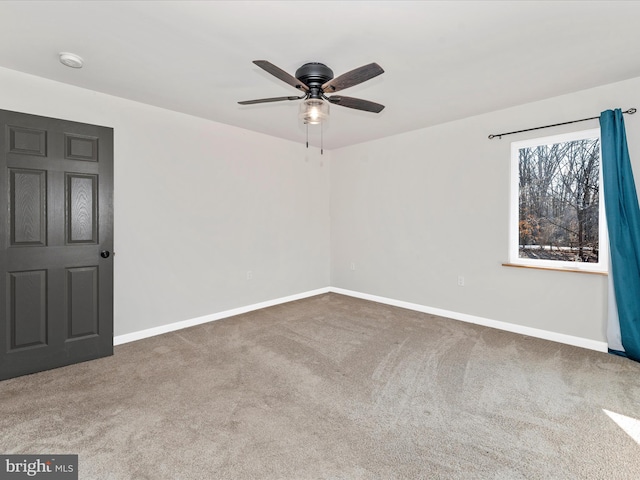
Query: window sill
[557, 269]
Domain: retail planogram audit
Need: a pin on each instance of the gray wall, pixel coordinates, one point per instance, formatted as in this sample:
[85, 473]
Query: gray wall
[197, 205]
[415, 211]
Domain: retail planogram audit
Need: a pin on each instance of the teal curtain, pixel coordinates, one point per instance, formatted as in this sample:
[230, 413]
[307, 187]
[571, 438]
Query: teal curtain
[623, 223]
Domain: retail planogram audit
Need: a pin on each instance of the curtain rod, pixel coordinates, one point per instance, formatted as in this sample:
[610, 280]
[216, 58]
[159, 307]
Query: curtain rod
[631, 111]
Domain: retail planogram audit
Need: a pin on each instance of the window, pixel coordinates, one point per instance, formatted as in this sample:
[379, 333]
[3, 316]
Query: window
[557, 207]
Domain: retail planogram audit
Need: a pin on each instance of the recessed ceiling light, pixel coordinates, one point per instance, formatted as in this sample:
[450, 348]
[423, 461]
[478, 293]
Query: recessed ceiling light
[71, 60]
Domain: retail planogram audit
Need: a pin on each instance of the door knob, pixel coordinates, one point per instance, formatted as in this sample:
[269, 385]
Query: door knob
[105, 253]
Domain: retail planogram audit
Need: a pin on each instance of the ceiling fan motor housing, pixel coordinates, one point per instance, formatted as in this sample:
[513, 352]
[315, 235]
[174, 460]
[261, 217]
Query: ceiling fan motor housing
[314, 75]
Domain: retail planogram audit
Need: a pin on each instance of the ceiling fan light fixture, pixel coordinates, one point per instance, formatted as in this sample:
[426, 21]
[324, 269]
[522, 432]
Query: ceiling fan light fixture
[314, 111]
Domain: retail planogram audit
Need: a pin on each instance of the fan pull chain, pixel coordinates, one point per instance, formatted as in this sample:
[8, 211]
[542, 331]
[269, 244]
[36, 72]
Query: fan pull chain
[321, 138]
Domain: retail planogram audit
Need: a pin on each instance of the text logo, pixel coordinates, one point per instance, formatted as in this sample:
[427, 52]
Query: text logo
[50, 467]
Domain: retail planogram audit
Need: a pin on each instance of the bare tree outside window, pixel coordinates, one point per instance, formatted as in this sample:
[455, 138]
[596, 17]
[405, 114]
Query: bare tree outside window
[558, 200]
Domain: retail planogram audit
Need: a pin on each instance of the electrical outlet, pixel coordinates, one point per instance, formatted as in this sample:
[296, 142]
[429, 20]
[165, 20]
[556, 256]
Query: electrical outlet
[353, 265]
[249, 275]
[460, 281]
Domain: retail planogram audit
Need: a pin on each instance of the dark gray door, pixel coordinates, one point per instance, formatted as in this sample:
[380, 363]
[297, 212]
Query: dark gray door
[56, 215]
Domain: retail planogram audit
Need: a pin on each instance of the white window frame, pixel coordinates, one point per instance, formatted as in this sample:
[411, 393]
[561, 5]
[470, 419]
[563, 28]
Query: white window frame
[603, 240]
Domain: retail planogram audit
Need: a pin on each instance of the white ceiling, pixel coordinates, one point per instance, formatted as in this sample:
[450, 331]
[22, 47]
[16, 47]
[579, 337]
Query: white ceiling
[443, 60]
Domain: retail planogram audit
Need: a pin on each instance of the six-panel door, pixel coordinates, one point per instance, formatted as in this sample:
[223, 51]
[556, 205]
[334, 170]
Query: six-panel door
[56, 212]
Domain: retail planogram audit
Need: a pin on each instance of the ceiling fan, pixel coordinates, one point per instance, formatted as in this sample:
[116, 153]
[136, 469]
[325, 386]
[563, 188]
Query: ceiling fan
[316, 80]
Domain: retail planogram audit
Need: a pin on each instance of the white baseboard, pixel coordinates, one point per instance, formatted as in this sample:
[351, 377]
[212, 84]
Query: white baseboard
[509, 327]
[172, 327]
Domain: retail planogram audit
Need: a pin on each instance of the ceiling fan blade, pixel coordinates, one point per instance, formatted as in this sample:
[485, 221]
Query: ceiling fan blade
[267, 100]
[356, 103]
[354, 77]
[281, 74]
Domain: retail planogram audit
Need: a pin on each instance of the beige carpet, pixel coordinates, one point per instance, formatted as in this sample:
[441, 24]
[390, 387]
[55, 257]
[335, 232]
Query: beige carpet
[333, 387]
